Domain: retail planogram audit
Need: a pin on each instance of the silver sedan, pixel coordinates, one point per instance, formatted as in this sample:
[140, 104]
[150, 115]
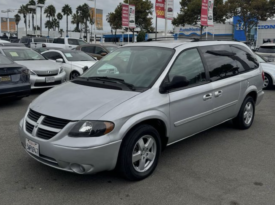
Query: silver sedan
[43, 73]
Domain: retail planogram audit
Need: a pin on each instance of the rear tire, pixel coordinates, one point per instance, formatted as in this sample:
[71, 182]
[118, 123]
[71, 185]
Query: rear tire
[245, 118]
[268, 82]
[139, 153]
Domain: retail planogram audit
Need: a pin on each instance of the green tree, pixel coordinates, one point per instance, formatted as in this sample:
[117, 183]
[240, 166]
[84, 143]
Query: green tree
[49, 26]
[17, 20]
[23, 10]
[41, 2]
[85, 16]
[32, 11]
[59, 16]
[144, 9]
[50, 12]
[190, 13]
[250, 10]
[55, 24]
[114, 19]
[61, 32]
[67, 11]
[141, 36]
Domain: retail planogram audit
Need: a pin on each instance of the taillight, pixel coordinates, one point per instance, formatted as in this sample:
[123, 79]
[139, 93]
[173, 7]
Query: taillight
[263, 75]
[44, 45]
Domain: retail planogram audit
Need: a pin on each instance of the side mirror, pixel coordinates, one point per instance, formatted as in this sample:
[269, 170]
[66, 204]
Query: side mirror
[95, 58]
[177, 82]
[103, 54]
[59, 60]
[85, 69]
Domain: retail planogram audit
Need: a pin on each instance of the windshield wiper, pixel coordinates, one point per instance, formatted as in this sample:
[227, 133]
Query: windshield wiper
[117, 80]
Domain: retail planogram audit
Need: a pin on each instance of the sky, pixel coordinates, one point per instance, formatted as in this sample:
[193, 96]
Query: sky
[106, 5]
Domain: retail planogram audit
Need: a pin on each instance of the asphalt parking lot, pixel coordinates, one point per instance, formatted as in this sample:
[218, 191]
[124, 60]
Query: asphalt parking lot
[222, 166]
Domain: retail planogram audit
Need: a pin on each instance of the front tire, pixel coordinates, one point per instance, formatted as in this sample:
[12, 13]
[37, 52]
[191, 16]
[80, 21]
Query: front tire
[139, 153]
[267, 81]
[74, 75]
[245, 118]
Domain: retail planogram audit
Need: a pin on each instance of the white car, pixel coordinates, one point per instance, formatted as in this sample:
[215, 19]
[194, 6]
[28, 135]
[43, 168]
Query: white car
[269, 72]
[3, 41]
[74, 63]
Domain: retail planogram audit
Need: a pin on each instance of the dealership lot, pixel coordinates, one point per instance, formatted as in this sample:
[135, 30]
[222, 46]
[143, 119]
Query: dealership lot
[220, 166]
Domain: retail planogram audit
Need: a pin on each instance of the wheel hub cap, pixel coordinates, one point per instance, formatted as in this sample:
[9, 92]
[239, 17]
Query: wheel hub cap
[248, 113]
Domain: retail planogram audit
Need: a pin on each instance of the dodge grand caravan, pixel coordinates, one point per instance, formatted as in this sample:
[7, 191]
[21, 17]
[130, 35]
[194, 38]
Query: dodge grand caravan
[139, 99]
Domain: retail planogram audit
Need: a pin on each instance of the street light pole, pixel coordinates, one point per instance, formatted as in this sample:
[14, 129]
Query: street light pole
[34, 7]
[8, 22]
[128, 21]
[166, 18]
[40, 6]
[94, 21]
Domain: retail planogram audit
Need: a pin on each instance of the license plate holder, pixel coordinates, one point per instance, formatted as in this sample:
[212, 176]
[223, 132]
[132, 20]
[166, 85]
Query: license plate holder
[50, 80]
[5, 78]
[32, 147]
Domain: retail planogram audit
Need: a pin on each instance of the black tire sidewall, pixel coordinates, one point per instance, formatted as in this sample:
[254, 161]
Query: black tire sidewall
[73, 73]
[270, 81]
[126, 166]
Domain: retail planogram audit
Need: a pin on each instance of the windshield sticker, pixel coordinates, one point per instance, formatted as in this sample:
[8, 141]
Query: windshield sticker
[68, 55]
[110, 56]
[13, 54]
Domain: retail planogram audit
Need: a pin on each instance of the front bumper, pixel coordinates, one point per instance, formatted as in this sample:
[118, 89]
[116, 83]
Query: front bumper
[69, 157]
[40, 82]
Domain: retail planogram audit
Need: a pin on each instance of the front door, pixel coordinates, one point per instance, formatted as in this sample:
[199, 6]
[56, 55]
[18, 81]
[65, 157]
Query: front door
[191, 105]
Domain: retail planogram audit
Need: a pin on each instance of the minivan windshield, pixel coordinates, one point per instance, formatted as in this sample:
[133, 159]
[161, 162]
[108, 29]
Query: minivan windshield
[138, 66]
[22, 54]
[267, 49]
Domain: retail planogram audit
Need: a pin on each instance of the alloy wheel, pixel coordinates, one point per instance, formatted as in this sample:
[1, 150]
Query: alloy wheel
[248, 113]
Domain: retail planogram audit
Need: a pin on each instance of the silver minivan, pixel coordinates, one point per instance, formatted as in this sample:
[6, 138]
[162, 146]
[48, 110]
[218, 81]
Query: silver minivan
[139, 99]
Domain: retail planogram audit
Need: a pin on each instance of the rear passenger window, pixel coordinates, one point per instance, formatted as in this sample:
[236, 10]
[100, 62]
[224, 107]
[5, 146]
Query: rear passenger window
[244, 58]
[188, 65]
[88, 49]
[220, 61]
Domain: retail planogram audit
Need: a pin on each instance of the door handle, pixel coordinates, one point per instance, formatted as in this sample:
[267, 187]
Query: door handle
[207, 96]
[218, 93]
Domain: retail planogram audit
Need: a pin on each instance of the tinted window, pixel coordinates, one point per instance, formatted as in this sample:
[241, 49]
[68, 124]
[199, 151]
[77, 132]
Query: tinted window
[88, 49]
[267, 49]
[24, 40]
[246, 61]
[59, 41]
[99, 50]
[4, 60]
[42, 40]
[220, 61]
[53, 55]
[73, 42]
[188, 65]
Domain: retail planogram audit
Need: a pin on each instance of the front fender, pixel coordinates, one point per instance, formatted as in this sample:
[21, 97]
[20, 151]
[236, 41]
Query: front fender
[147, 115]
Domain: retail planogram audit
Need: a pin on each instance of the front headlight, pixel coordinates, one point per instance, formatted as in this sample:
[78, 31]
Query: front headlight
[32, 73]
[91, 129]
[60, 70]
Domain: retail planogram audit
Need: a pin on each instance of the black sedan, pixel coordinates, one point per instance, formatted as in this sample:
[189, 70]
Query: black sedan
[14, 79]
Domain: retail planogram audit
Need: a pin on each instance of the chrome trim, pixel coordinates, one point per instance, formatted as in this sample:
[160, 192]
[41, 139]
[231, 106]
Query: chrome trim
[190, 119]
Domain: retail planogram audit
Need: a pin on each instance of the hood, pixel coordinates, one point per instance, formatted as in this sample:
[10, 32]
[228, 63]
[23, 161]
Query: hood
[76, 102]
[40, 66]
[82, 64]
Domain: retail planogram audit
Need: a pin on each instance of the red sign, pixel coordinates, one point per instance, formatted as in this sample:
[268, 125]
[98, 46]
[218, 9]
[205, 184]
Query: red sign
[204, 13]
[125, 15]
[160, 9]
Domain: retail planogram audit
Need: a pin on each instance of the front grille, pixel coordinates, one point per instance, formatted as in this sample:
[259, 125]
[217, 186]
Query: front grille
[55, 122]
[29, 127]
[34, 116]
[47, 75]
[47, 84]
[45, 134]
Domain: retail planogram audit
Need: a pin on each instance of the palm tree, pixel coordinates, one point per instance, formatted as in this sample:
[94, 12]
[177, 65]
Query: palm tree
[55, 24]
[17, 20]
[32, 11]
[67, 11]
[50, 11]
[85, 16]
[48, 25]
[59, 16]
[24, 11]
[61, 32]
[43, 3]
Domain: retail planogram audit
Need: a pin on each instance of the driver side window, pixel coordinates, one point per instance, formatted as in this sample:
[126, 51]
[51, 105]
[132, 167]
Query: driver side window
[188, 65]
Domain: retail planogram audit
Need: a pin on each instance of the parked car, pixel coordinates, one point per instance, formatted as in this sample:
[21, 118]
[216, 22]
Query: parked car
[14, 79]
[267, 51]
[43, 73]
[269, 72]
[164, 93]
[33, 42]
[43, 49]
[74, 63]
[97, 51]
[65, 43]
[3, 41]
[170, 9]
[12, 44]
